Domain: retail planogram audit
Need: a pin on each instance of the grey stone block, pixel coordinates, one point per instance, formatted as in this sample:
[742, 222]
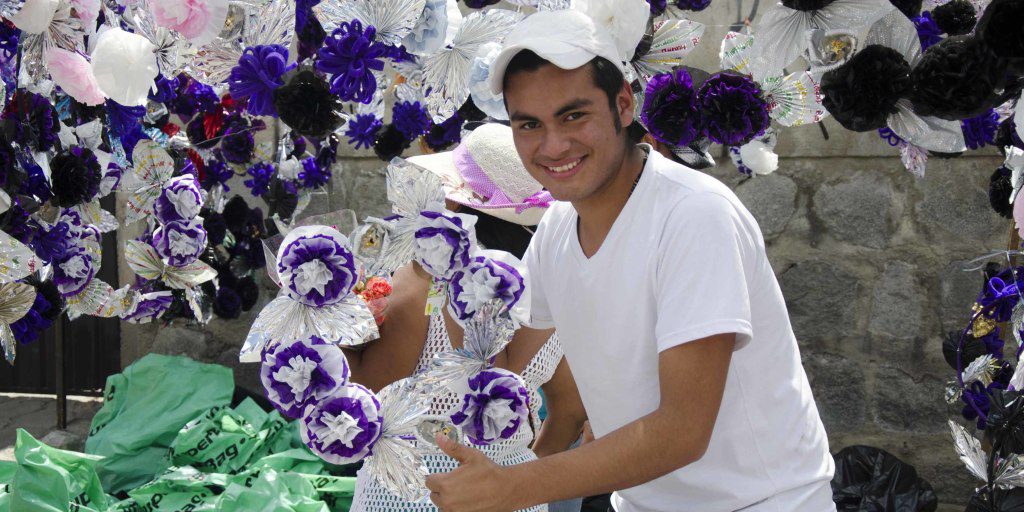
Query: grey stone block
[838, 386]
[772, 201]
[822, 300]
[909, 401]
[860, 210]
[897, 304]
[955, 204]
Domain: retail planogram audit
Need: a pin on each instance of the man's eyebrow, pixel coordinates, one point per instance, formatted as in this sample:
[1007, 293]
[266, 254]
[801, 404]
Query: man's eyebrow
[568, 107]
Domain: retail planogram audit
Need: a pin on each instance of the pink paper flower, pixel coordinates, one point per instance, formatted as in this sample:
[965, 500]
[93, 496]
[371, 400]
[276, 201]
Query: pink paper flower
[87, 11]
[198, 20]
[74, 75]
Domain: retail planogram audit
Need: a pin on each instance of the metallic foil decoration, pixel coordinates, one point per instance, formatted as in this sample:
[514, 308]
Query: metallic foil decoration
[272, 23]
[672, 41]
[969, 449]
[926, 132]
[486, 334]
[9, 8]
[17, 260]
[982, 324]
[143, 259]
[830, 49]
[93, 213]
[15, 302]
[396, 462]
[428, 429]
[153, 166]
[348, 323]
[446, 72]
[393, 19]
[981, 370]
[794, 99]
[65, 31]
[782, 32]
[172, 50]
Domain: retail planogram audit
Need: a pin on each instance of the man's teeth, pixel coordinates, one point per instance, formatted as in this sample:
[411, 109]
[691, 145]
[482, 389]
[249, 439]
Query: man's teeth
[567, 167]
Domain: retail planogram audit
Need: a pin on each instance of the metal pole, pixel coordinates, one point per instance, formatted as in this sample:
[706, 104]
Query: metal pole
[62, 394]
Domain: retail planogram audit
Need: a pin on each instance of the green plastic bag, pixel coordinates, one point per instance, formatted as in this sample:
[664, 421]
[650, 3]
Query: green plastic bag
[221, 443]
[48, 479]
[179, 489]
[7, 470]
[336, 491]
[145, 407]
[271, 491]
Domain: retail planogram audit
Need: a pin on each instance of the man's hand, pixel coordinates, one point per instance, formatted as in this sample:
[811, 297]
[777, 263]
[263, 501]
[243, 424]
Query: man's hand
[477, 485]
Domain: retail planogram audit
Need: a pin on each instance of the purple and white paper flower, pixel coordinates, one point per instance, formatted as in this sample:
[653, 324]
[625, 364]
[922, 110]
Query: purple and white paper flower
[444, 242]
[495, 407]
[315, 266]
[483, 280]
[150, 307]
[343, 428]
[298, 374]
[180, 199]
[180, 243]
[74, 271]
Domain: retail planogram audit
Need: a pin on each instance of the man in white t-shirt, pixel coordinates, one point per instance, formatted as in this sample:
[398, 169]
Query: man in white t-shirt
[656, 279]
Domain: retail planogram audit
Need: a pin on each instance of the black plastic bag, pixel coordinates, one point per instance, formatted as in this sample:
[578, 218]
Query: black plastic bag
[870, 479]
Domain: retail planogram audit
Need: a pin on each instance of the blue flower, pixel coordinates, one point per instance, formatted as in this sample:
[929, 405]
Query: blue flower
[351, 55]
[257, 75]
[362, 131]
[312, 176]
[261, 174]
[927, 30]
[980, 130]
[216, 172]
[166, 89]
[410, 118]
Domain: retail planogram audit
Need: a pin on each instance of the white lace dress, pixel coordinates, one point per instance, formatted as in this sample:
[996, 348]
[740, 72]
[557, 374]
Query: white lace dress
[370, 496]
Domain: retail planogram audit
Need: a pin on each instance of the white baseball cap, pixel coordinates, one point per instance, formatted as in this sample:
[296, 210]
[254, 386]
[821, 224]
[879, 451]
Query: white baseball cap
[567, 38]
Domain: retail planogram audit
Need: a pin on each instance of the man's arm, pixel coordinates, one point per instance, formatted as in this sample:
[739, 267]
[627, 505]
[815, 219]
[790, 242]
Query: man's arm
[692, 382]
[566, 414]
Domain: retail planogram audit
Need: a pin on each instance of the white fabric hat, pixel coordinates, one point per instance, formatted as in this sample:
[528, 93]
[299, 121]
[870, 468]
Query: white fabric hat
[485, 173]
[568, 39]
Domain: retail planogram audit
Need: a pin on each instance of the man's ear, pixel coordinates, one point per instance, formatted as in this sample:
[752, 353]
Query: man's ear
[625, 103]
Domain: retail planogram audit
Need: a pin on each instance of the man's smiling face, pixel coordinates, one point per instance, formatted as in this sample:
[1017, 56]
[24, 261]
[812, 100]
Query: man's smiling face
[568, 136]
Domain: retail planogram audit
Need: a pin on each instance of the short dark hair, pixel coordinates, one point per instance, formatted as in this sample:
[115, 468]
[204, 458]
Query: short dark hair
[500, 234]
[606, 75]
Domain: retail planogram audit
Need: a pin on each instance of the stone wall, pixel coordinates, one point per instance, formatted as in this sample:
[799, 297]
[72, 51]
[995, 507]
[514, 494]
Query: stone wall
[867, 256]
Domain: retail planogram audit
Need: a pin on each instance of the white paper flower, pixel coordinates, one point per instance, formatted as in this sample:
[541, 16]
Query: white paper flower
[759, 157]
[125, 66]
[489, 103]
[35, 16]
[625, 20]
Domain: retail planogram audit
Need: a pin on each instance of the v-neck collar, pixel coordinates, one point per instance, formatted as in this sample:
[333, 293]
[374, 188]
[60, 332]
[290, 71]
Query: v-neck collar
[621, 221]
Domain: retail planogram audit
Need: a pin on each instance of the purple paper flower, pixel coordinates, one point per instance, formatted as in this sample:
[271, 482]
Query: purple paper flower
[151, 306]
[351, 55]
[197, 97]
[180, 242]
[316, 268]
[27, 328]
[216, 172]
[927, 30]
[257, 75]
[733, 111]
[74, 271]
[298, 374]
[440, 136]
[122, 119]
[410, 118]
[343, 428]
[443, 243]
[658, 6]
[693, 5]
[9, 38]
[180, 199]
[261, 174]
[497, 404]
[483, 280]
[50, 244]
[670, 108]
[479, 4]
[980, 131]
[166, 89]
[311, 176]
[362, 131]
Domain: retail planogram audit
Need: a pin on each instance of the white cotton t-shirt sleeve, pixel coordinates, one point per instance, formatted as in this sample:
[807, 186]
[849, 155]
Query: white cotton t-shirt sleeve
[703, 272]
[540, 313]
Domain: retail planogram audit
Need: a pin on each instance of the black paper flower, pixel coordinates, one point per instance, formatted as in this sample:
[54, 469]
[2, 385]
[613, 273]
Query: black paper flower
[910, 8]
[1000, 187]
[806, 5]
[305, 104]
[236, 214]
[973, 348]
[1000, 29]
[227, 303]
[74, 177]
[248, 291]
[863, 92]
[955, 18]
[1006, 135]
[30, 120]
[390, 143]
[956, 79]
[1005, 421]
